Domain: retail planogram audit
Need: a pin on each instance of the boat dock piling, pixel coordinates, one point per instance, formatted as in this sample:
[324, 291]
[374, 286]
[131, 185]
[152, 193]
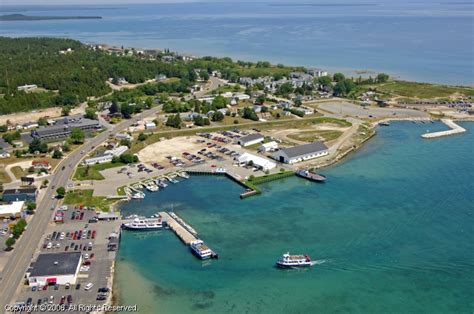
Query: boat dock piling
[454, 129]
[178, 229]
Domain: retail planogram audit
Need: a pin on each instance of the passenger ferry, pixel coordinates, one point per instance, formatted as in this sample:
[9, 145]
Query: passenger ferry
[312, 176]
[144, 224]
[294, 261]
[201, 250]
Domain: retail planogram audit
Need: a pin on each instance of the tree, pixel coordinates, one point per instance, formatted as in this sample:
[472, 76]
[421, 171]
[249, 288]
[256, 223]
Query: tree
[3, 128]
[126, 111]
[42, 121]
[249, 114]
[66, 110]
[114, 108]
[90, 114]
[125, 142]
[324, 81]
[45, 182]
[217, 116]
[344, 87]
[9, 243]
[264, 109]
[77, 136]
[382, 78]
[18, 228]
[174, 121]
[61, 191]
[57, 154]
[338, 77]
[128, 158]
[219, 102]
[30, 207]
[142, 136]
[37, 146]
[260, 100]
[11, 136]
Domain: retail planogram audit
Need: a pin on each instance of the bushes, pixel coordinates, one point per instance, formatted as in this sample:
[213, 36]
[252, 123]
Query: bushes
[18, 228]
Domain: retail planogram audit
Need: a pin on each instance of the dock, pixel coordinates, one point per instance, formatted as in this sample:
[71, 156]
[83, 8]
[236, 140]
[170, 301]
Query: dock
[454, 129]
[179, 230]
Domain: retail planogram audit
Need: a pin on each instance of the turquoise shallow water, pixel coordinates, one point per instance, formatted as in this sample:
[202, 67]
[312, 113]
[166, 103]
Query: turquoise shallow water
[392, 229]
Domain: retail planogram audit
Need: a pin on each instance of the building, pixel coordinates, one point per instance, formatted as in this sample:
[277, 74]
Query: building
[106, 156]
[27, 88]
[30, 125]
[150, 125]
[123, 136]
[12, 209]
[41, 164]
[107, 216]
[316, 72]
[268, 147]
[55, 268]
[20, 194]
[300, 153]
[63, 127]
[250, 139]
[257, 161]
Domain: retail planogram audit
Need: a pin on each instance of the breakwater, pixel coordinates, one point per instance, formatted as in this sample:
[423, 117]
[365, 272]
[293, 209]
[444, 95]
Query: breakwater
[454, 129]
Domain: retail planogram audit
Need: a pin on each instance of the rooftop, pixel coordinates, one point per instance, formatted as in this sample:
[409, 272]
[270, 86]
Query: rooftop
[305, 149]
[20, 190]
[56, 264]
[251, 137]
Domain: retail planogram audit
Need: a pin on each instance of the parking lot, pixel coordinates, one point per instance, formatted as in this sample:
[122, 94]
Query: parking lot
[78, 232]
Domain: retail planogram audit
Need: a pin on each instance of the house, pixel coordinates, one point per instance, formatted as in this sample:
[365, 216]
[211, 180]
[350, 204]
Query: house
[4, 155]
[30, 125]
[257, 108]
[250, 139]
[27, 88]
[260, 162]
[12, 209]
[41, 164]
[241, 96]
[160, 77]
[106, 156]
[150, 125]
[167, 58]
[268, 147]
[55, 268]
[306, 110]
[300, 153]
[315, 72]
[123, 136]
[20, 194]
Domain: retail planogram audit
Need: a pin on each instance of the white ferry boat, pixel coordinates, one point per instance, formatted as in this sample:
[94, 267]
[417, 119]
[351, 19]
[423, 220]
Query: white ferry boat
[152, 187]
[294, 261]
[144, 224]
[138, 195]
[201, 250]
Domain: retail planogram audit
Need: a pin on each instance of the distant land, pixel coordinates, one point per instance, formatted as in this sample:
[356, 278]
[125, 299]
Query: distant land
[22, 17]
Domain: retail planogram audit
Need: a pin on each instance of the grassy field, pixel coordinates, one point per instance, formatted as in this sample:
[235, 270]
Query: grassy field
[4, 177]
[84, 197]
[422, 90]
[83, 173]
[18, 172]
[311, 136]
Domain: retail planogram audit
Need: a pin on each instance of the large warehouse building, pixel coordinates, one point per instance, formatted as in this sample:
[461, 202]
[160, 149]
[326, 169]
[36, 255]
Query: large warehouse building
[300, 153]
[55, 268]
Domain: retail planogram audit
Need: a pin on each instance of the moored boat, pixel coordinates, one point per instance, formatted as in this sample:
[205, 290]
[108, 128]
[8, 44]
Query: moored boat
[201, 250]
[144, 224]
[384, 123]
[294, 261]
[311, 175]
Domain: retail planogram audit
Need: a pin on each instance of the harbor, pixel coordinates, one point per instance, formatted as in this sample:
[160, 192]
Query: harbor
[454, 129]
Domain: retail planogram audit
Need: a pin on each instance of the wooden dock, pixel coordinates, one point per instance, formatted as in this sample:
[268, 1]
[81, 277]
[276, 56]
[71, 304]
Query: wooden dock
[179, 230]
[454, 129]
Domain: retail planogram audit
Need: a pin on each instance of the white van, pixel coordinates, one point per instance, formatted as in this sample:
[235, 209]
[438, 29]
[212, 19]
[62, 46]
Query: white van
[88, 286]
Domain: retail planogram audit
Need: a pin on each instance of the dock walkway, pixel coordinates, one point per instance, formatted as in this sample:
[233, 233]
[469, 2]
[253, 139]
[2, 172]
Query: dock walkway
[455, 129]
[180, 231]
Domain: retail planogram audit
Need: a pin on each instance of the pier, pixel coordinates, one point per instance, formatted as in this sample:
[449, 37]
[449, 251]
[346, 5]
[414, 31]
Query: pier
[185, 236]
[454, 129]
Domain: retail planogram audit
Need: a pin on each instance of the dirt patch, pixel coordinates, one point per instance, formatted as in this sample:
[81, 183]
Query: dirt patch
[158, 151]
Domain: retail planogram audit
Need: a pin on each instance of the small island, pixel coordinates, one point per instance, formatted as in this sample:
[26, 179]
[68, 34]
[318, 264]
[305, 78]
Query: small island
[22, 17]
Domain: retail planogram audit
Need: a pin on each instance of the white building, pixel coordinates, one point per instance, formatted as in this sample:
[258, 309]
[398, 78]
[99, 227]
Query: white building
[123, 136]
[55, 268]
[150, 125]
[300, 153]
[107, 156]
[12, 209]
[250, 139]
[268, 147]
[317, 72]
[27, 88]
[258, 161]
[241, 96]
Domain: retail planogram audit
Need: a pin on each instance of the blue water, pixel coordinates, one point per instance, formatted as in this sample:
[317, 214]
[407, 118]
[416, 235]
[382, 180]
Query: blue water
[392, 230]
[426, 40]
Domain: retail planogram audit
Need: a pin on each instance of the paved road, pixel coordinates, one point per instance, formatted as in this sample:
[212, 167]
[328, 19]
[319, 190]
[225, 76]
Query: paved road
[14, 271]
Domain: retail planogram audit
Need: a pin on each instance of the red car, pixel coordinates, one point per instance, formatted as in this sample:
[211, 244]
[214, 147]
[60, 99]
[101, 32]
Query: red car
[93, 234]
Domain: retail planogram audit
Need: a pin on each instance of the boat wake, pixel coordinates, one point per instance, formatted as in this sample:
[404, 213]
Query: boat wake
[318, 262]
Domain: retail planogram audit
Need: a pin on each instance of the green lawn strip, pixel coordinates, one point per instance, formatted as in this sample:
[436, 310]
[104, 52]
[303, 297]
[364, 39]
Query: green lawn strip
[270, 177]
[18, 172]
[422, 90]
[83, 173]
[4, 177]
[85, 198]
[311, 136]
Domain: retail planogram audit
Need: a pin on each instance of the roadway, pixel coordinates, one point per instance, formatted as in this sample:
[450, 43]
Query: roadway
[13, 273]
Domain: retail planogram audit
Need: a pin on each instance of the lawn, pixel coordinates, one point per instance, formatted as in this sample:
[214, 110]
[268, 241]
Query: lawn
[92, 172]
[18, 172]
[84, 197]
[4, 178]
[311, 136]
[422, 90]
